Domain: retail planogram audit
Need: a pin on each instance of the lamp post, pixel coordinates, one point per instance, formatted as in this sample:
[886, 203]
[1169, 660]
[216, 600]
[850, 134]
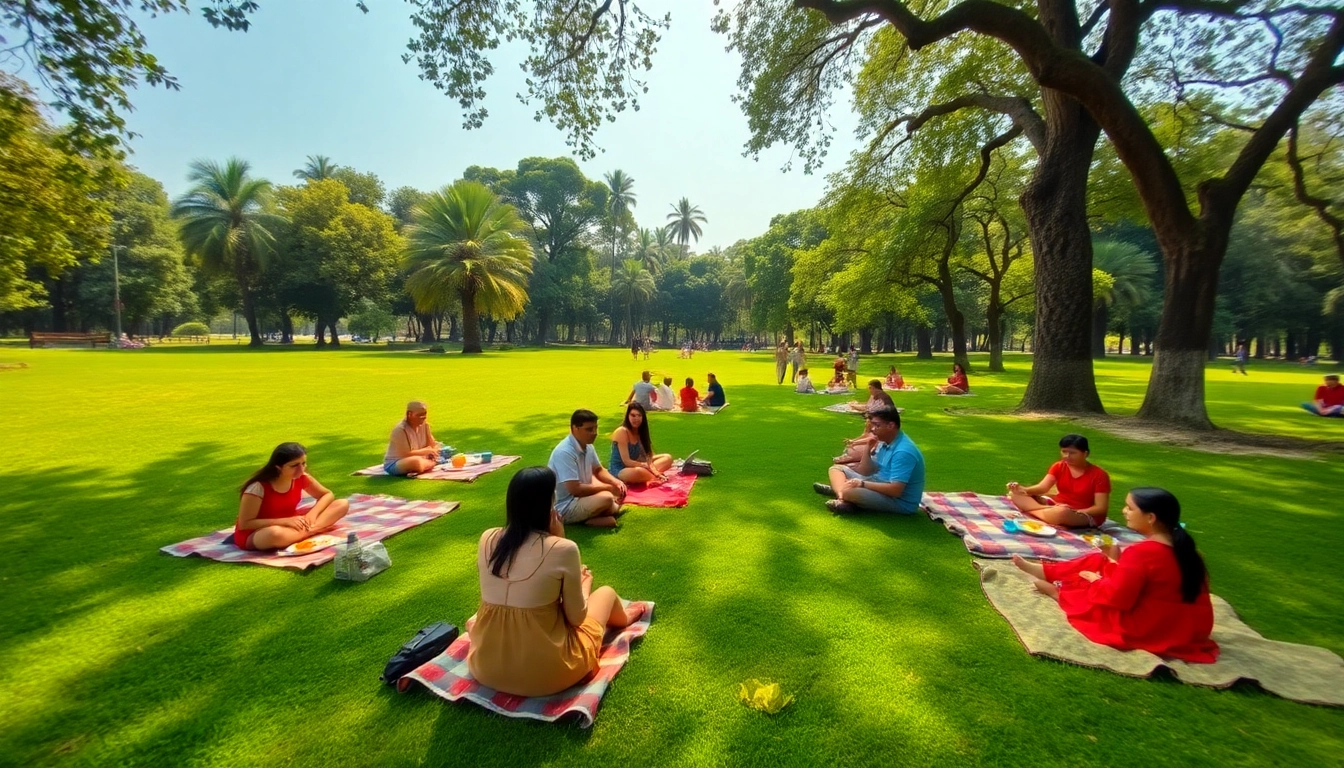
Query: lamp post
[116, 288]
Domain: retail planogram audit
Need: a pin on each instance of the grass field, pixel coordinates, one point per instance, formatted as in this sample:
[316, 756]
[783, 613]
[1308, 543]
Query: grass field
[112, 653]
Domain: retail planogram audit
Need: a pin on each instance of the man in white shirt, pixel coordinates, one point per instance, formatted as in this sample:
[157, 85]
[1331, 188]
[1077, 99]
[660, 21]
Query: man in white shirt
[642, 392]
[585, 492]
[666, 398]
[412, 448]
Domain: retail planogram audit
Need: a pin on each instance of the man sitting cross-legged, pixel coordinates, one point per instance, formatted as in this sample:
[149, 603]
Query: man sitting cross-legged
[585, 492]
[666, 399]
[412, 448]
[890, 478]
[1329, 398]
[642, 392]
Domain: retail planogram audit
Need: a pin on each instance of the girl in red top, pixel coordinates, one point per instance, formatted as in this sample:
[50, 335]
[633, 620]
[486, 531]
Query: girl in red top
[268, 514]
[690, 399]
[1152, 596]
[957, 383]
[1082, 490]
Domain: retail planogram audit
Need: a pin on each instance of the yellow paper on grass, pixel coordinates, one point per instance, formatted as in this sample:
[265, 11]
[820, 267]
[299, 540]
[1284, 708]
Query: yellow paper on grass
[767, 697]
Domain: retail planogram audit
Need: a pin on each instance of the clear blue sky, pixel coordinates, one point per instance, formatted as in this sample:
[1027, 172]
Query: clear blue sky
[320, 77]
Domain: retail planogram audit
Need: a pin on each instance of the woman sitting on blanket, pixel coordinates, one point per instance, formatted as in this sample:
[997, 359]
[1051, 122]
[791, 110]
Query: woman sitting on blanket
[1082, 489]
[894, 379]
[957, 383]
[539, 629]
[268, 514]
[837, 383]
[632, 458]
[877, 398]
[1151, 596]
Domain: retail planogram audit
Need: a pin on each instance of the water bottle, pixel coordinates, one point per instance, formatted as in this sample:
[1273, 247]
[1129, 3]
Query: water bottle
[350, 564]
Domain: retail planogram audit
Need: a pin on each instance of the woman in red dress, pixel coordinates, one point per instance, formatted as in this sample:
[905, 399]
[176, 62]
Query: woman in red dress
[957, 383]
[268, 512]
[1081, 490]
[1152, 596]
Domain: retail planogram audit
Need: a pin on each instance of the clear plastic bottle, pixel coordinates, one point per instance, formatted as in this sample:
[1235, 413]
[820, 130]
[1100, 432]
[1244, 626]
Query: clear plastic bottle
[350, 564]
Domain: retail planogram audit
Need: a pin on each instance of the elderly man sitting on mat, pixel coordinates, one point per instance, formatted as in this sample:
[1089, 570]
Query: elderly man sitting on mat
[889, 478]
[412, 448]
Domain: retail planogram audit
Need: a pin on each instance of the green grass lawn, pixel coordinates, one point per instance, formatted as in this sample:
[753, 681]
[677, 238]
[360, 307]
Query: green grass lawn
[112, 653]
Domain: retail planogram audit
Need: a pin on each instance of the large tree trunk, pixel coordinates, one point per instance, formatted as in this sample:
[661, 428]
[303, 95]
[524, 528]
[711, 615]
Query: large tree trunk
[471, 323]
[865, 341]
[335, 338]
[1055, 204]
[286, 328]
[993, 315]
[1176, 386]
[1101, 317]
[923, 345]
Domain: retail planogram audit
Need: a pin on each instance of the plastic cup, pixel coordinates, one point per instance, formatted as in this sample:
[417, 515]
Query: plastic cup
[460, 460]
[487, 457]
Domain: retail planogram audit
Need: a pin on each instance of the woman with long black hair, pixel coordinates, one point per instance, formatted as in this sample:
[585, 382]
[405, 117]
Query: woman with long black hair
[632, 458]
[1151, 596]
[540, 625]
[268, 511]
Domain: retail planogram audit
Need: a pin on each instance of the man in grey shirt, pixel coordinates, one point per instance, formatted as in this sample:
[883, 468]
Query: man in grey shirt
[585, 492]
[643, 391]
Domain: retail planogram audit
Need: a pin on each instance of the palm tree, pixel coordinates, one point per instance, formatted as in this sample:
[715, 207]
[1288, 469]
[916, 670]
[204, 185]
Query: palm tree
[620, 200]
[632, 285]
[224, 226]
[647, 250]
[685, 221]
[318, 168]
[463, 239]
[662, 241]
[1131, 271]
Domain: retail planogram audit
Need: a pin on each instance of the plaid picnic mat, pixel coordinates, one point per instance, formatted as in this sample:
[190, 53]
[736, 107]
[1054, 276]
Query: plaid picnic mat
[978, 520]
[900, 389]
[844, 408]
[447, 676]
[372, 518]
[675, 492]
[447, 471]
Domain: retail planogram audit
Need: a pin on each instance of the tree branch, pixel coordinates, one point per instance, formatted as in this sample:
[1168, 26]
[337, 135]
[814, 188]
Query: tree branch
[1320, 205]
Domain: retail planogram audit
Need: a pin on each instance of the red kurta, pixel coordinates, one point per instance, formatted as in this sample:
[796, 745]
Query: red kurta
[1136, 604]
[1330, 395]
[959, 381]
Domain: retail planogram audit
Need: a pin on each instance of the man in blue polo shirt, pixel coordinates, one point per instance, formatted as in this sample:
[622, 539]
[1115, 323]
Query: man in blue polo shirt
[888, 479]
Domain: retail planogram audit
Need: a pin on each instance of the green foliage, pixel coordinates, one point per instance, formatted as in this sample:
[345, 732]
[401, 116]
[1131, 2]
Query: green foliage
[557, 201]
[1126, 274]
[192, 328]
[317, 168]
[684, 222]
[584, 66]
[402, 201]
[364, 188]
[632, 285]
[371, 320]
[52, 208]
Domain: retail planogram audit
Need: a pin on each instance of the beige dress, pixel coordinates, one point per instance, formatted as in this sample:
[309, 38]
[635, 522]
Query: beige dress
[532, 635]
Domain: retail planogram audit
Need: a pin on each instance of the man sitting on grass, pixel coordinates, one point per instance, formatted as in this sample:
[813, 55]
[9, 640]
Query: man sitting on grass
[804, 386]
[1329, 400]
[412, 448]
[715, 397]
[585, 492]
[889, 478]
[877, 399]
[643, 391]
[666, 398]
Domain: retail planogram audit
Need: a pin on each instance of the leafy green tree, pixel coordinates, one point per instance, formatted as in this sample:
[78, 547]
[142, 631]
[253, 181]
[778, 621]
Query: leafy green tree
[464, 240]
[1129, 272]
[767, 263]
[53, 210]
[621, 198]
[371, 320]
[366, 189]
[317, 168]
[684, 223]
[336, 254]
[647, 251]
[224, 226]
[402, 201]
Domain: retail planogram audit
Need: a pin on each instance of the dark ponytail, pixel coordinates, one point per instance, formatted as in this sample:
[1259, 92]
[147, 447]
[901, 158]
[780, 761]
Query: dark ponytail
[528, 504]
[282, 455]
[1167, 509]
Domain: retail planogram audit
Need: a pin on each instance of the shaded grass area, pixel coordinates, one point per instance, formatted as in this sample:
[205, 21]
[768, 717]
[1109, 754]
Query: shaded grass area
[112, 653]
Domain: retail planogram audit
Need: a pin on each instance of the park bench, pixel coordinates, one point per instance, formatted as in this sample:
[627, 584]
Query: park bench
[46, 339]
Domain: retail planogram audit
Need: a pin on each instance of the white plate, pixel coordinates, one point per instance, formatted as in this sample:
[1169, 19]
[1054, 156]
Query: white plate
[311, 544]
[1036, 528]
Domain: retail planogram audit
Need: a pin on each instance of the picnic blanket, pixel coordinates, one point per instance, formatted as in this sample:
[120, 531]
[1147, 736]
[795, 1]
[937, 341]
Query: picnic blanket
[373, 518]
[963, 394]
[844, 408]
[675, 492]
[900, 389]
[704, 410]
[447, 677]
[466, 474]
[978, 520]
[1299, 672]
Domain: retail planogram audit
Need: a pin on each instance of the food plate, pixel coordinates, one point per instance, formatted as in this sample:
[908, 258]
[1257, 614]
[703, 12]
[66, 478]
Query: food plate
[1035, 528]
[310, 545]
[1099, 540]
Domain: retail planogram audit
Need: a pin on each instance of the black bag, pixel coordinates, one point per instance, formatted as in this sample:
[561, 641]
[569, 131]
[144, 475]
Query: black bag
[697, 467]
[427, 643]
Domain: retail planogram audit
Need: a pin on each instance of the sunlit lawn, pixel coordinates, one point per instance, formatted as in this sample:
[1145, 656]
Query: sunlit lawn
[112, 653]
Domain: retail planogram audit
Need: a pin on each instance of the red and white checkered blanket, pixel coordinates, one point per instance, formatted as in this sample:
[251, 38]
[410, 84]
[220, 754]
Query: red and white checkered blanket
[447, 471]
[978, 520]
[372, 518]
[447, 676]
[673, 493]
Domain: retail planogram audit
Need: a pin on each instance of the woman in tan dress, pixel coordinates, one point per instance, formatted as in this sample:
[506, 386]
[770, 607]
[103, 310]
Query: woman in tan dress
[540, 626]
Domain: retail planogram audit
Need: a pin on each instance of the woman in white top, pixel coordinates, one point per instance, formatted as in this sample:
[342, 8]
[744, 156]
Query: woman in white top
[539, 629]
